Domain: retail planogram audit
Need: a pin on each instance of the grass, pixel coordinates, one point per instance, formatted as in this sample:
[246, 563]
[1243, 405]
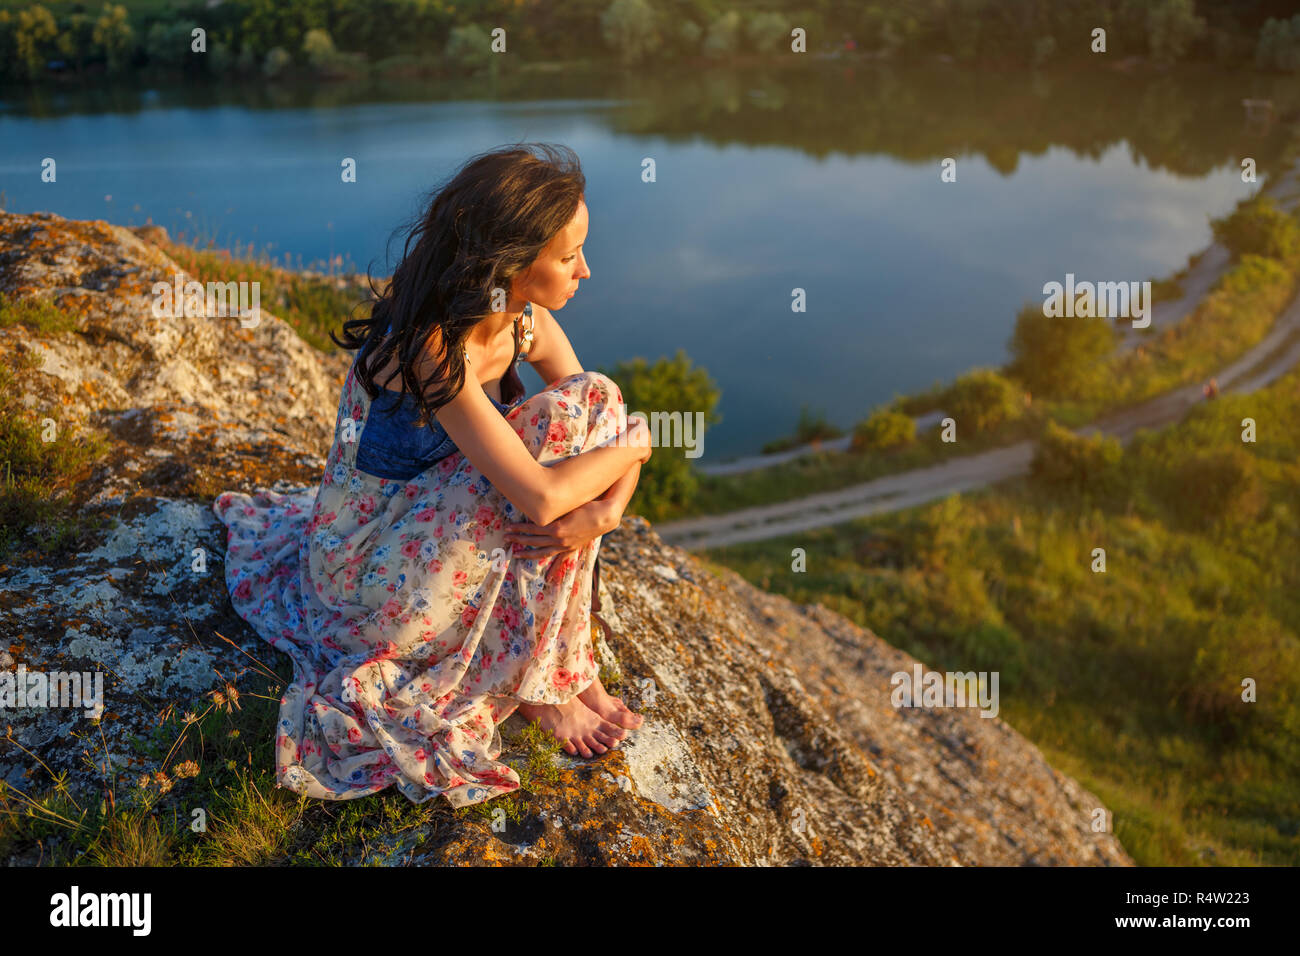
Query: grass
[313, 304]
[214, 802]
[41, 462]
[39, 316]
[1130, 680]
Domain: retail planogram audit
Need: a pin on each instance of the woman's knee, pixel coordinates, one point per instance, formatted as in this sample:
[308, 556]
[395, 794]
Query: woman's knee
[582, 384]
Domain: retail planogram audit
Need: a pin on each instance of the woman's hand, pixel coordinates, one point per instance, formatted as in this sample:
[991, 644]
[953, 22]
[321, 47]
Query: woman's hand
[570, 532]
[638, 436]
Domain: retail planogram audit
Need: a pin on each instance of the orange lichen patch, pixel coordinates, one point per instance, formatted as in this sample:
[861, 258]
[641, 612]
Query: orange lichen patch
[925, 821]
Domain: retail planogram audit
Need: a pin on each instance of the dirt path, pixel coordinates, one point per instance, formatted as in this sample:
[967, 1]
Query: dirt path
[1272, 357]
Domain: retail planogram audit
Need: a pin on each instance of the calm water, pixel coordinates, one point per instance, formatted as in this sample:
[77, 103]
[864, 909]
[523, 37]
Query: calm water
[823, 179]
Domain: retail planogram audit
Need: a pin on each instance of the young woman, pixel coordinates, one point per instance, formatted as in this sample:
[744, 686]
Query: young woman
[441, 577]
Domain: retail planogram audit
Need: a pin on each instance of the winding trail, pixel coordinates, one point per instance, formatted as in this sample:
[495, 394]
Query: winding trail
[1265, 362]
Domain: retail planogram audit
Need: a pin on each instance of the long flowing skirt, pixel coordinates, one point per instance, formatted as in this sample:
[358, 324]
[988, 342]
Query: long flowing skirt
[412, 629]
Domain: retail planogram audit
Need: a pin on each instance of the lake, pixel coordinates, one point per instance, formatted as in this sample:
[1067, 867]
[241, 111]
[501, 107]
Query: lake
[823, 177]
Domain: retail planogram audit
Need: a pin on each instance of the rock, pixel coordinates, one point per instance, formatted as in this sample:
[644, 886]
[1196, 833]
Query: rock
[770, 738]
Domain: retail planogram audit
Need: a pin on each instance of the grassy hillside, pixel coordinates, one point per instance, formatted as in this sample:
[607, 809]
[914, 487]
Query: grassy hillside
[1128, 680]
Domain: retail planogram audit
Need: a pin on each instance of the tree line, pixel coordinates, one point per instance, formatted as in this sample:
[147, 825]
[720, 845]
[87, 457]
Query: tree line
[345, 37]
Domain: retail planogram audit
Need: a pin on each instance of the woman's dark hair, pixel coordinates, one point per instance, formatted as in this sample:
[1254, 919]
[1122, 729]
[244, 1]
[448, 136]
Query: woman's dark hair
[486, 225]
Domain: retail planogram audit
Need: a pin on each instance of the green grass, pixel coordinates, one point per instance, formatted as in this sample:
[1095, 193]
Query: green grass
[36, 315]
[220, 762]
[1127, 680]
[314, 305]
[37, 476]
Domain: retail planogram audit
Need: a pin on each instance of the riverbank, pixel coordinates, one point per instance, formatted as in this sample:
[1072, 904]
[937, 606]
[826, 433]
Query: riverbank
[1188, 341]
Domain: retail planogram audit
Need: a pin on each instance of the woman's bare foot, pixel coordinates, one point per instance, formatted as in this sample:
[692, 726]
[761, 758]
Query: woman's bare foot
[582, 730]
[611, 708]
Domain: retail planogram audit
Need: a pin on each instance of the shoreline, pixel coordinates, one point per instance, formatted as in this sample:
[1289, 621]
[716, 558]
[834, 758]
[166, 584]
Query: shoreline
[1208, 265]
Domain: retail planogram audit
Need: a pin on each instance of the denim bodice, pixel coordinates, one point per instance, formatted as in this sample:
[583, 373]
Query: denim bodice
[392, 446]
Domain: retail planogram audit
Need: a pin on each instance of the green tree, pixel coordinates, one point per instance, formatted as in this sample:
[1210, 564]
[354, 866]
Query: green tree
[1172, 27]
[982, 399]
[33, 38]
[885, 429]
[768, 31]
[8, 58]
[670, 385]
[629, 28]
[469, 47]
[76, 39]
[169, 44]
[114, 36]
[1257, 227]
[1057, 356]
[318, 48]
[1278, 47]
[723, 36]
[274, 23]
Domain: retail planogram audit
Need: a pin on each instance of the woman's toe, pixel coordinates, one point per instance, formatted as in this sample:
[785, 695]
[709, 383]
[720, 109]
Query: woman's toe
[582, 747]
[607, 739]
[569, 749]
[591, 741]
[613, 730]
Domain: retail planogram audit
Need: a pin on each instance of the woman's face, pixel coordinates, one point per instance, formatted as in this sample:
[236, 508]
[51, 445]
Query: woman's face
[553, 276]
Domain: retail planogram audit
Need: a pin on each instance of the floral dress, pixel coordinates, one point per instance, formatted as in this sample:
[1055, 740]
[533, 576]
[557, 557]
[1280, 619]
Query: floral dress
[413, 630]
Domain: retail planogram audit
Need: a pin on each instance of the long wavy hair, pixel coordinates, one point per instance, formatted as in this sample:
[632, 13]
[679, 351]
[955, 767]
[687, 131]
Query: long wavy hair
[483, 227]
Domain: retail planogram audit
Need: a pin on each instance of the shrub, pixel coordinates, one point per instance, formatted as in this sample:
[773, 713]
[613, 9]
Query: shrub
[982, 399]
[1257, 227]
[1076, 464]
[1059, 357]
[885, 429]
[667, 480]
[1215, 487]
[1206, 677]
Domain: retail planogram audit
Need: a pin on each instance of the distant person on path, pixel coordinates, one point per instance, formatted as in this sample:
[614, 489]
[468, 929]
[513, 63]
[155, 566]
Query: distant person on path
[413, 628]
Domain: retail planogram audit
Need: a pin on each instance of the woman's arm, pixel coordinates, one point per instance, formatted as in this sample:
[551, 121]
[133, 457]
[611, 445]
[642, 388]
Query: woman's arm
[543, 492]
[619, 494]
